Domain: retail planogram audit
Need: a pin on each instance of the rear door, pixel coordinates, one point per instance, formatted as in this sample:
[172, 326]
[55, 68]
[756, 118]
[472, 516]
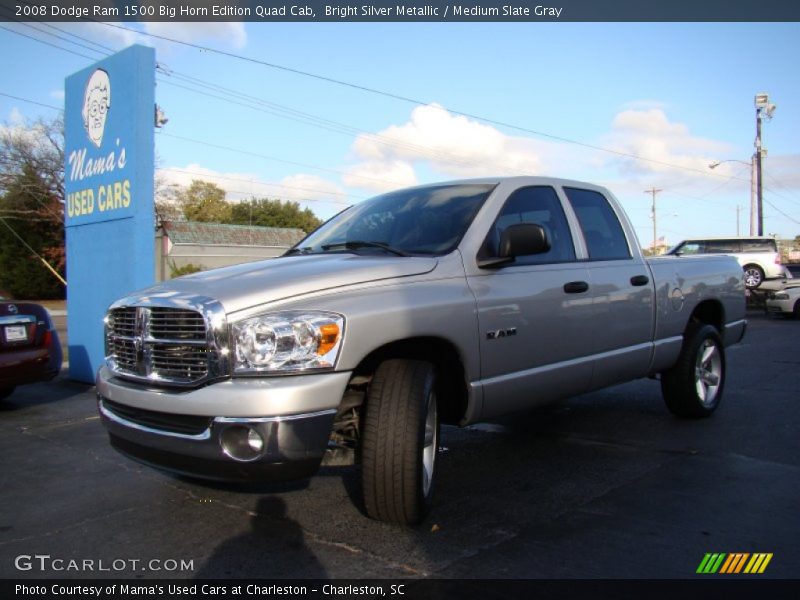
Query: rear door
[622, 292]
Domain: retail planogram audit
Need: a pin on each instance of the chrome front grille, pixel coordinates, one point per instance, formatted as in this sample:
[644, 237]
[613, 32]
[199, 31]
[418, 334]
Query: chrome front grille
[124, 321]
[165, 345]
[180, 361]
[177, 324]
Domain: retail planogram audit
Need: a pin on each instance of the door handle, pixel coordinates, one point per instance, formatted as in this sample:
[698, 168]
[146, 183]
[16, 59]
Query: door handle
[639, 280]
[576, 287]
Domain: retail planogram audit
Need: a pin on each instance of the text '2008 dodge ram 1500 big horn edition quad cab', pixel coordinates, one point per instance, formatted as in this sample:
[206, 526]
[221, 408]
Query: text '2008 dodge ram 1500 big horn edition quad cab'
[448, 303]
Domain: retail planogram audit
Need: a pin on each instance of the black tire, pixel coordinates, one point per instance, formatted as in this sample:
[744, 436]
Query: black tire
[693, 387]
[796, 311]
[397, 430]
[6, 392]
[753, 276]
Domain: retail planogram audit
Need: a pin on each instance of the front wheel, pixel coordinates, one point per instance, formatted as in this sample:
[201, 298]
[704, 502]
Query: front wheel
[693, 387]
[400, 440]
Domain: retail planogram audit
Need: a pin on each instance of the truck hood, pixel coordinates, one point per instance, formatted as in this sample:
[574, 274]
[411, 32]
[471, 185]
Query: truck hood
[251, 284]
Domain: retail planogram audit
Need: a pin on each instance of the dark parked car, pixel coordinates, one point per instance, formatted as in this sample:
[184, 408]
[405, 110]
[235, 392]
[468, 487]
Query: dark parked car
[29, 346]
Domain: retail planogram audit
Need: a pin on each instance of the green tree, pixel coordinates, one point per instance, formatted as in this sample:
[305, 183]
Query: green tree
[274, 213]
[205, 202]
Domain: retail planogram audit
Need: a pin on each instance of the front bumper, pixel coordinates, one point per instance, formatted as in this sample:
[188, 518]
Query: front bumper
[778, 307]
[212, 443]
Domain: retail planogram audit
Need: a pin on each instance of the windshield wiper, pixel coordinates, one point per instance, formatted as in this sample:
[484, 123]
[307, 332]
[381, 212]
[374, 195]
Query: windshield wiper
[355, 244]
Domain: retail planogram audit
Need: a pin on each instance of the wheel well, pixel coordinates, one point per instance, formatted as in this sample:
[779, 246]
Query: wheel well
[709, 312]
[752, 264]
[452, 386]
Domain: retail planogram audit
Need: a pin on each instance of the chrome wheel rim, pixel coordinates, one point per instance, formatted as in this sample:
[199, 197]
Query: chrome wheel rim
[430, 445]
[708, 372]
[752, 278]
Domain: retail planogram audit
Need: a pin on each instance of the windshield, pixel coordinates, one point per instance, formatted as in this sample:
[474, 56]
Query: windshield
[427, 220]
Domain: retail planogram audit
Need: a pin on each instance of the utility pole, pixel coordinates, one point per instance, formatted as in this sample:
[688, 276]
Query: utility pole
[738, 208]
[653, 191]
[763, 107]
[759, 182]
[753, 196]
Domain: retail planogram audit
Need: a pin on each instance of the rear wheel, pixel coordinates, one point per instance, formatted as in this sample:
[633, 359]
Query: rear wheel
[753, 276]
[400, 440]
[693, 387]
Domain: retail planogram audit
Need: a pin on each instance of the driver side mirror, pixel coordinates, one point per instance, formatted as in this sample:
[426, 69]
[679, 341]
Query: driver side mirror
[521, 239]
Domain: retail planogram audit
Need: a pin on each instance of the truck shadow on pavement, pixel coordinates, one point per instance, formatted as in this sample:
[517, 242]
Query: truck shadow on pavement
[273, 548]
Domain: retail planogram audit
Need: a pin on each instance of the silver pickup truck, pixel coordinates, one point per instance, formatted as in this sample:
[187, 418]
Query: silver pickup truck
[449, 303]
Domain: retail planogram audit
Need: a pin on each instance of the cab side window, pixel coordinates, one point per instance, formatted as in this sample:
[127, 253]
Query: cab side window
[692, 248]
[539, 205]
[723, 246]
[605, 238]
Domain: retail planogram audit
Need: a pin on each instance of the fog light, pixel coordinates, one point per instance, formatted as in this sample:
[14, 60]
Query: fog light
[242, 443]
[255, 441]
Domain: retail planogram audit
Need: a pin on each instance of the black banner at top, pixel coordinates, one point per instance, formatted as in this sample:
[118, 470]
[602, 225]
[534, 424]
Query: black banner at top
[401, 10]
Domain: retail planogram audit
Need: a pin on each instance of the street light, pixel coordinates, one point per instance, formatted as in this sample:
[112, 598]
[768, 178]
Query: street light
[753, 194]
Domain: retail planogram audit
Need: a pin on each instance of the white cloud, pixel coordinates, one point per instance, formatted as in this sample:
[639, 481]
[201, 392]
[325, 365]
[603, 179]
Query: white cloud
[451, 144]
[381, 175]
[782, 175]
[57, 95]
[663, 144]
[320, 195]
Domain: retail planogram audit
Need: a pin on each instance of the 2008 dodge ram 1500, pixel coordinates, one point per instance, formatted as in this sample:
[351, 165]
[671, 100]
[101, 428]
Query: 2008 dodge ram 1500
[448, 303]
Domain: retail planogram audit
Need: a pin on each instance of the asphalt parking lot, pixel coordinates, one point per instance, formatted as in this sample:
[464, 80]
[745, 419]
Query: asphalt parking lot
[607, 485]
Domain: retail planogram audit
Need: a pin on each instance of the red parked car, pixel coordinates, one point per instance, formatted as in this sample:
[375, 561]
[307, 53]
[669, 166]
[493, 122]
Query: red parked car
[29, 346]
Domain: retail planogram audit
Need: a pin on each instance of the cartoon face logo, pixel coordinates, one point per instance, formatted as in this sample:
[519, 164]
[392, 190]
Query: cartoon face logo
[96, 103]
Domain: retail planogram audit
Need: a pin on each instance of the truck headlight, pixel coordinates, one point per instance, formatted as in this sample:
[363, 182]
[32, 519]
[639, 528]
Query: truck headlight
[287, 341]
[780, 296]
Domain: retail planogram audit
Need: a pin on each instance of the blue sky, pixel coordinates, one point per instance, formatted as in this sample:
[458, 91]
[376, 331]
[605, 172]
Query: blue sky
[680, 94]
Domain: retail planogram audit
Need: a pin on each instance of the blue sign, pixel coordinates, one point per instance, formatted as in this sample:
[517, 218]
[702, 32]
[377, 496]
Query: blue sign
[109, 212]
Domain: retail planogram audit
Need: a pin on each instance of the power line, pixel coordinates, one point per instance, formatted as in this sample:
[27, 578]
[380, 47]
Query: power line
[329, 125]
[778, 210]
[281, 160]
[75, 35]
[31, 101]
[792, 200]
[407, 99]
[62, 38]
[266, 184]
[30, 37]
[36, 254]
[287, 112]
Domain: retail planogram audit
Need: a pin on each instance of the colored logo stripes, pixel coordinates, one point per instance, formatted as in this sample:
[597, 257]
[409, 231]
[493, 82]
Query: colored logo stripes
[733, 563]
